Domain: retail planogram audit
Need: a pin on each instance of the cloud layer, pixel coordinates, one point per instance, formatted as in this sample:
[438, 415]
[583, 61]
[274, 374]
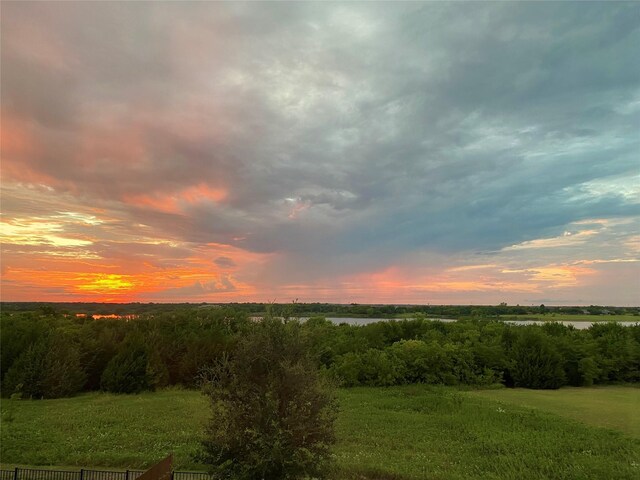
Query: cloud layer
[344, 152]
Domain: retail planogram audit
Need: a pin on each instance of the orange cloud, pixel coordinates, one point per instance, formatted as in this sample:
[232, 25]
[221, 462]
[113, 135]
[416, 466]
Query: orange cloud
[203, 192]
[17, 137]
[555, 275]
[62, 285]
[37, 231]
[167, 204]
[112, 146]
[175, 202]
[398, 284]
[565, 240]
[20, 143]
[35, 268]
[105, 283]
[395, 281]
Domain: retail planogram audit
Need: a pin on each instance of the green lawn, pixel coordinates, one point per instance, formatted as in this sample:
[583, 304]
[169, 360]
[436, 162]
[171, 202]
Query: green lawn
[617, 408]
[412, 432]
[105, 430]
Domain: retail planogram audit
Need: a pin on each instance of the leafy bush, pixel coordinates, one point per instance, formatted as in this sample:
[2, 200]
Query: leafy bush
[63, 375]
[414, 355]
[17, 333]
[25, 375]
[588, 370]
[48, 368]
[536, 361]
[273, 414]
[618, 353]
[127, 372]
[448, 364]
[373, 368]
[35, 363]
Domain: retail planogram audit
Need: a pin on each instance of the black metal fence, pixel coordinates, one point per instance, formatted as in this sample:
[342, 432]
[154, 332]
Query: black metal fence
[45, 474]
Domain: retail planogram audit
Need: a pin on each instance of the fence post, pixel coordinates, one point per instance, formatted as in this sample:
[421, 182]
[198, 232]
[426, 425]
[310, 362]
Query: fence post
[82, 474]
[127, 475]
[15, 474]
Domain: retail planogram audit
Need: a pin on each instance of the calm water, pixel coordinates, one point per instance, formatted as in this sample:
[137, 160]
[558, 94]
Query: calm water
[577, 325]
[366, 321]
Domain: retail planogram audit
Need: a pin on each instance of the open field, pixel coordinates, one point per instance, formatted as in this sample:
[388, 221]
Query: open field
[563, 317]
[612, 407]
[412, 432]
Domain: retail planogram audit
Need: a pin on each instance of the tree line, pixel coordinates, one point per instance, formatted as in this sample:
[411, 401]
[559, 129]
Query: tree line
[46, 354]
[324, 309]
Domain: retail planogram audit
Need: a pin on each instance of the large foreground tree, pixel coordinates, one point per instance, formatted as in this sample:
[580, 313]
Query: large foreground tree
[273, 412]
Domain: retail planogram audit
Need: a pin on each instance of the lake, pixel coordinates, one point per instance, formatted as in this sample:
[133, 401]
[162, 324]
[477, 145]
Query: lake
[366, 321]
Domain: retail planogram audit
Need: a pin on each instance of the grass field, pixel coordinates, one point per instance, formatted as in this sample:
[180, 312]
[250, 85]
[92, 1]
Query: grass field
[412, 432]
[562, 317]
[612, 407]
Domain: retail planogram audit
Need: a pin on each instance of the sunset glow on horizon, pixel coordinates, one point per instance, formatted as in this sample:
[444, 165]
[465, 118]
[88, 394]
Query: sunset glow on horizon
[325, 152]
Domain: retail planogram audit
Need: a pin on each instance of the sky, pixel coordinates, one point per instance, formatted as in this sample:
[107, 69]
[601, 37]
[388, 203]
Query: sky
[422, 153]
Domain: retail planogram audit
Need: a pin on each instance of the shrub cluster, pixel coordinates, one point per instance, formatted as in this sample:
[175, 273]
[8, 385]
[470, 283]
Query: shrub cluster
[273, 414]
[478, 352]
[48, 355]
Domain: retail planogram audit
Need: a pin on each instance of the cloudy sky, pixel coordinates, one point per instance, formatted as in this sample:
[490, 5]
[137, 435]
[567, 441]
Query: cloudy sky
[341, 152]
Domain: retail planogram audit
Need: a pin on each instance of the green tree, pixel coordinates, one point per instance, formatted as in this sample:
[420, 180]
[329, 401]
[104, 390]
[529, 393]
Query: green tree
[62, 374]
[25, 375]
[127, 372]
[536, 361]
[273, 413]
[157, 371]
[373, 368]
[588, 369]
[17, 333]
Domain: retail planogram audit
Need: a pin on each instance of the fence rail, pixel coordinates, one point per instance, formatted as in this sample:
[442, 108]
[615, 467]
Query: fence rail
[82, 474]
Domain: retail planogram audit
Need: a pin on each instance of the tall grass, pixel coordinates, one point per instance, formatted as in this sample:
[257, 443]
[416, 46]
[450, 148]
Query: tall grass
[412, 432]
[439, 433]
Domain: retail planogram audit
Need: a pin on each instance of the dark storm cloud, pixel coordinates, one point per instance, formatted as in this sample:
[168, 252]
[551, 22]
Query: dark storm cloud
[224, 262]
[343, 134]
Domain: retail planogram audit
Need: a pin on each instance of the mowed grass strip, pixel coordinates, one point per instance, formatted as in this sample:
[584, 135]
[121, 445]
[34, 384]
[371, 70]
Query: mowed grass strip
[614, 407]
[411, 432]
